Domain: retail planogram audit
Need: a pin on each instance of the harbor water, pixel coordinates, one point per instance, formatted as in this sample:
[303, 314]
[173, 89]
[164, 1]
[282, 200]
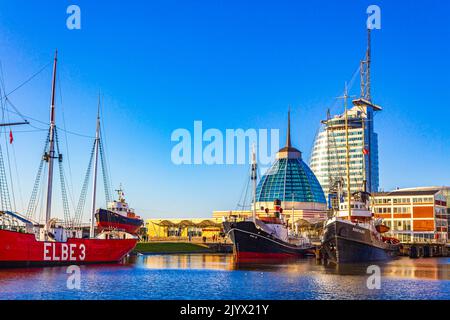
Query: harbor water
[217, 276]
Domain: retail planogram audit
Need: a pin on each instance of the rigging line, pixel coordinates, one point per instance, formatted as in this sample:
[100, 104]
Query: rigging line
[18, 180]
[9, 163]
[6, 200]
[3, 105]
[70, 189]
[311, 147]
[34, 198]
[28, 131]
[106, 148]
[76, 133]
[106, 182]
[2, 82]
[10, 172]
[25, 117]
[352, 80]
[26, 81]
[65, 201]
[242, 204]
[335, 102]
[82, 200]
[42, 196]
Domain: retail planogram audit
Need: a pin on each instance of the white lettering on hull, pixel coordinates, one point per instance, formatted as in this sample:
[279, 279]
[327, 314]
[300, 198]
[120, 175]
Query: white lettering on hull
[64, 252]
[359, 231]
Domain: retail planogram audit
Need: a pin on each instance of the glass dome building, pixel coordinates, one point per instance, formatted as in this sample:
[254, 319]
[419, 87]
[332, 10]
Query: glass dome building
[291, 181]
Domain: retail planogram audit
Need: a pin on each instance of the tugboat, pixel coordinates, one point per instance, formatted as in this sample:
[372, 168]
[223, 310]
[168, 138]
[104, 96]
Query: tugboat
[352, 235]
[24, 243]
[119, 216]
[265, 238]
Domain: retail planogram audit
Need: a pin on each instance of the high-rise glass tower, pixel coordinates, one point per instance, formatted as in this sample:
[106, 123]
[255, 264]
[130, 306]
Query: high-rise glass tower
[328, 159]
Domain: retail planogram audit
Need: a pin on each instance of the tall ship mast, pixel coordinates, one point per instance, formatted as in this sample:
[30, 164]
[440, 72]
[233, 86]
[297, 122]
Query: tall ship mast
[28, 243]
[50, 156]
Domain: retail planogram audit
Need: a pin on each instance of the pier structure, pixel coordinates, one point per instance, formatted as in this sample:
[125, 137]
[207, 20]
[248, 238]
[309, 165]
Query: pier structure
[425, 250]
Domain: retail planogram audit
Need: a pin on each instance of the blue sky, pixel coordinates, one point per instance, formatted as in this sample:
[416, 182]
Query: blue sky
[161, 65]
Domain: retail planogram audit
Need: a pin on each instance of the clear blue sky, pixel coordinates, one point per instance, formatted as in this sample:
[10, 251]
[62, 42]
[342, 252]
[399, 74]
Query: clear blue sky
[232, 64]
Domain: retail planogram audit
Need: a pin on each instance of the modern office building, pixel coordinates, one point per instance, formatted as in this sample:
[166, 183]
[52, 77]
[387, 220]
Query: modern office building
[414, 215]
[328, 159]
[445, 192]
[291, 181]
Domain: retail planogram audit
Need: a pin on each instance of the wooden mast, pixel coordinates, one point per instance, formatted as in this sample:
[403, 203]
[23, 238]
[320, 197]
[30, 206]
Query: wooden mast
[254, 177]
[50, 156]
[347, 155]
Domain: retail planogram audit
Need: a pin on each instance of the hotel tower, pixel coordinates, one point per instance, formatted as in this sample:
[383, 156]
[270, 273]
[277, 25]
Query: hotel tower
[328, 159]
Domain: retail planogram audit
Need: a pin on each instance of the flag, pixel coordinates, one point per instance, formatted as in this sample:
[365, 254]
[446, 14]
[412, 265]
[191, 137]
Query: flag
[11, 138]
[366, 151]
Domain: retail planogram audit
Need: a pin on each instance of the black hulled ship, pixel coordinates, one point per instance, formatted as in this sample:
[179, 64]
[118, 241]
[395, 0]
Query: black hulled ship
[266, 238]
[354, 236]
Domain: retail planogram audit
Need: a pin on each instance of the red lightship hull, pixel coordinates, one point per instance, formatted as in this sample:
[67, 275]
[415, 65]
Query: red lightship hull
[23, 250]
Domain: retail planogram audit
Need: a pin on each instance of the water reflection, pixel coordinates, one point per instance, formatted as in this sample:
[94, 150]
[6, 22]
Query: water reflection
[405, 268]
[186, 261]
[429, 269]
[219, 276]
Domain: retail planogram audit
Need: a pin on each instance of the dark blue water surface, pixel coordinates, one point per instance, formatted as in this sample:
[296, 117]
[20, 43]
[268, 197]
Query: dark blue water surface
[206, 276]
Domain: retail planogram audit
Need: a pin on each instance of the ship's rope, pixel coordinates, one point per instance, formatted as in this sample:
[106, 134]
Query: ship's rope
[3, 129]
[82, 200]
[106, 182]
[32, 204]
[4, 190]
[62, 178]
[105, 173]
[27, 80]
[245, 199]
[107, 185]
[70, 180]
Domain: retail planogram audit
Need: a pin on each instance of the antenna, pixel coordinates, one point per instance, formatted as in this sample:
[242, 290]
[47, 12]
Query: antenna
[365, 71]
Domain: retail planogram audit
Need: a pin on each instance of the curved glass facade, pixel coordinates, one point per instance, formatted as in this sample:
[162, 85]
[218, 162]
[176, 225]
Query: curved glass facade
[290, 180]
